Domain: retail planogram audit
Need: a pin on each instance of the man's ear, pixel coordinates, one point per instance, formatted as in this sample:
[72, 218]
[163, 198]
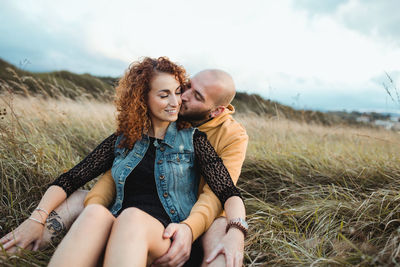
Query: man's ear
[217, 111]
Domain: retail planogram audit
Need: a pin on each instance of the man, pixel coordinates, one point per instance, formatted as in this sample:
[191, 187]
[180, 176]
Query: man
[206, 104]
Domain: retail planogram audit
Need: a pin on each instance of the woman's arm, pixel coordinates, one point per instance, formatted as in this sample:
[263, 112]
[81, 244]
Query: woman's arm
[218, 178]
[220, 182]
[94, 164]
[213, 170]
[31, 230]
[231, 147]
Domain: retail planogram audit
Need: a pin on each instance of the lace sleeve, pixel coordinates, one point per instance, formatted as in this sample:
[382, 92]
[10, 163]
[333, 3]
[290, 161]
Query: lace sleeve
[97, 162]
[213, 169]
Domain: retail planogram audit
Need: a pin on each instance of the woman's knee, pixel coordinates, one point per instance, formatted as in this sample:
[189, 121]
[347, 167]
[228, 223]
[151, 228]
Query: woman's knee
[132, 215]
[133, 221]
[96, 212]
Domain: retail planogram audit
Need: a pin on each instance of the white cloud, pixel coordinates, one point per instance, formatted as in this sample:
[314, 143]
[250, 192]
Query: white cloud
[264, 44]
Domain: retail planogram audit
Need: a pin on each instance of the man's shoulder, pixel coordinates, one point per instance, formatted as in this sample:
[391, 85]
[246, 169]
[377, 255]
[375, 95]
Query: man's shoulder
[224, 127]
[232, 139]
[232, 127]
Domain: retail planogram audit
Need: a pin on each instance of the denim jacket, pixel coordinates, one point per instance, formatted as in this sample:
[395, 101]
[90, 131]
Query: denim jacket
[176, 178]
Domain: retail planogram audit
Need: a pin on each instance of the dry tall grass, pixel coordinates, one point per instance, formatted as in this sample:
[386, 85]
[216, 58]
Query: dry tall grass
[321, 195]
[314, 195]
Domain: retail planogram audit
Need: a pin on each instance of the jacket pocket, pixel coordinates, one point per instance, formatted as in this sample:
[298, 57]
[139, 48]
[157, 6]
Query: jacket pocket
[180, 163]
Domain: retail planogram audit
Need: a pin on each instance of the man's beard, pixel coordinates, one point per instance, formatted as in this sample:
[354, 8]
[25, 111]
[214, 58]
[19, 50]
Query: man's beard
[195, 116]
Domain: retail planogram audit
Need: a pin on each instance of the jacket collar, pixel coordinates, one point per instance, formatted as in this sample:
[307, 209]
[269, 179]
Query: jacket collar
[169, 138]
[170, 135]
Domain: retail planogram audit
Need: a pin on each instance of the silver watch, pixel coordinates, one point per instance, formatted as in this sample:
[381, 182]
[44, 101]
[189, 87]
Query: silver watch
[238, 223]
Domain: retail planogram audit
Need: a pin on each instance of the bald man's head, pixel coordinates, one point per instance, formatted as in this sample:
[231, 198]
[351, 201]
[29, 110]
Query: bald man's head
[210, 92]
[218, 84]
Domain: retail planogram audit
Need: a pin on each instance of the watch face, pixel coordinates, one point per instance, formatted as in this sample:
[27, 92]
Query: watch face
[242, 222]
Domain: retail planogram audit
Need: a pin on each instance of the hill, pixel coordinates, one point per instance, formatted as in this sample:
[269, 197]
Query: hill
[76, 86]
[253, 103]
[55, 84]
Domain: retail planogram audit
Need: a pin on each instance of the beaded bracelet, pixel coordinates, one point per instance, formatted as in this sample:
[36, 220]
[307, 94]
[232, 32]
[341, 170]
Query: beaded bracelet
[238, 223]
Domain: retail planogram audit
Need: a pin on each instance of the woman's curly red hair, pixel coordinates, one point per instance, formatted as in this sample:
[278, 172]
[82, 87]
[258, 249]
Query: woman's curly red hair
[132, 91]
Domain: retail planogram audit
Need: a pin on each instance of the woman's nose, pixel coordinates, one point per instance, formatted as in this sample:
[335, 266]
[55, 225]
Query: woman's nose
[174, 100]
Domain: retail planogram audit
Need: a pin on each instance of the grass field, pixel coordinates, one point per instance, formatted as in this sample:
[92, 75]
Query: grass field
[315, 195]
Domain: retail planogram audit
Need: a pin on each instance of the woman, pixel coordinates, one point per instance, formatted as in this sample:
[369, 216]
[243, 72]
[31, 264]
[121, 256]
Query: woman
[147, 143]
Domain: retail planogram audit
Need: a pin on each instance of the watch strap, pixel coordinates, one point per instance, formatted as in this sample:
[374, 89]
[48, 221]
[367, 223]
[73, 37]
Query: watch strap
[238, 223]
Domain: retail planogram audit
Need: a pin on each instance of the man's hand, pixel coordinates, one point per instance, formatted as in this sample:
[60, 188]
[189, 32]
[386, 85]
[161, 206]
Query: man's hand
[179, 251]
[232, 246]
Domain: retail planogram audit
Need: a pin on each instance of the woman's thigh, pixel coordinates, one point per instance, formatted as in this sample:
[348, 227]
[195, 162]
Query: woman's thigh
[86, 239]
[136, 230]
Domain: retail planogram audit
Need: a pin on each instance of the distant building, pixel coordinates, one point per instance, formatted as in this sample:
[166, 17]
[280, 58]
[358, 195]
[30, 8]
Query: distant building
[385, 124]
[363, 119]
[395, 118]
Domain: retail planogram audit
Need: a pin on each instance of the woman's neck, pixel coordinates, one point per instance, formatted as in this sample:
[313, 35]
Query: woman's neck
[158, 130]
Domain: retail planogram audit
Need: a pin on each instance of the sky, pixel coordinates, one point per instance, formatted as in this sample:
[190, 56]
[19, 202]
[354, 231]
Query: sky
[323, 55]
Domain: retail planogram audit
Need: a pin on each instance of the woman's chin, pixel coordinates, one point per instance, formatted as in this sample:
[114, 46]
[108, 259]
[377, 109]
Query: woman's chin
[173, 117]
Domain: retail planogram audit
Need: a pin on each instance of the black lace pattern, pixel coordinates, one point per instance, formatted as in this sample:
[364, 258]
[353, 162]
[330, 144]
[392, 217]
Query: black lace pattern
[213, 169]
[97, 162]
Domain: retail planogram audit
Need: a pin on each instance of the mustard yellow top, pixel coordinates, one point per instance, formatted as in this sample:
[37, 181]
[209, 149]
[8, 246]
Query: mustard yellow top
[229, 139]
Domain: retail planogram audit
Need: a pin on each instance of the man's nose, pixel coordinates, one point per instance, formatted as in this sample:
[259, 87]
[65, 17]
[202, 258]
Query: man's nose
[185, 95]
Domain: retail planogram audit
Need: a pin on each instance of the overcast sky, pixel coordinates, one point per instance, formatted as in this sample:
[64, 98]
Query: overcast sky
[328, 55]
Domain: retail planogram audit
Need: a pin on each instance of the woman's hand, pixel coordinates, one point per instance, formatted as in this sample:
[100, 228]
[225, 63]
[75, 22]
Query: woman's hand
[26, 234]
[232, 246]
[29, 234]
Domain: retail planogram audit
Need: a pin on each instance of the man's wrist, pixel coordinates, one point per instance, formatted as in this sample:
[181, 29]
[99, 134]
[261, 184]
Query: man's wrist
[235, 233]
[239, 224]
[190, 229]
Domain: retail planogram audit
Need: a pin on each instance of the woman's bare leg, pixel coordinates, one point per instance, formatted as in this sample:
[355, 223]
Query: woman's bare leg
[135, 240]
[86, 239]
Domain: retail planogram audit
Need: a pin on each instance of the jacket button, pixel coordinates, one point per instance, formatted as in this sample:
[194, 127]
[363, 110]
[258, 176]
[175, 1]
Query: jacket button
[162, 149]
[162, 177]
[165, 194]
[172, 211]
[160, 161]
